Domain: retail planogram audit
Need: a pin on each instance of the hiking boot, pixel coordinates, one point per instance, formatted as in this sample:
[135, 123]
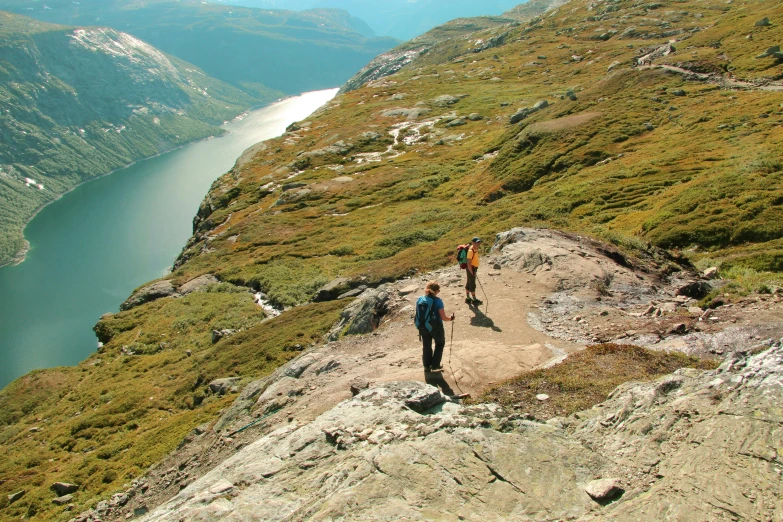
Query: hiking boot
[477, 301]
[468, 300]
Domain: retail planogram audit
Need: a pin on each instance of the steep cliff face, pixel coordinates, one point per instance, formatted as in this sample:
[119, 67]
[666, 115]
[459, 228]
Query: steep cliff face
[80, 102]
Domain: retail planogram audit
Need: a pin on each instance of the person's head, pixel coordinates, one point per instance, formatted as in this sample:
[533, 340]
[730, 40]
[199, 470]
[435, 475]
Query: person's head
[476, 241]
[432, 288]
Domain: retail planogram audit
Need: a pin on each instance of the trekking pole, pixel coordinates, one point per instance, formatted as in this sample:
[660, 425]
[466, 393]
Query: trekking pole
[486, 299]
[451, 349]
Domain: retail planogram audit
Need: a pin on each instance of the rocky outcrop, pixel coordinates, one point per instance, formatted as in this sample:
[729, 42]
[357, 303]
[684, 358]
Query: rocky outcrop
[363, 315]
[521, 114]
[198, 284]
[693, 445]
[149, 293]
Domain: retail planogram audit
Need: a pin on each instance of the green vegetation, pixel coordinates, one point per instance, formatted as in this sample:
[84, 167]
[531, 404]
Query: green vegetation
[625, 157]
[587, 378]
[104, 422]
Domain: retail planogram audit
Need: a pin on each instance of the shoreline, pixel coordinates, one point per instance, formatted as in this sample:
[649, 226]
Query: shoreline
[20, 256]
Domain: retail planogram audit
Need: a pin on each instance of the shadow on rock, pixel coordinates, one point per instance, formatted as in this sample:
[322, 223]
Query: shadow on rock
[481, 320]
[437, 380]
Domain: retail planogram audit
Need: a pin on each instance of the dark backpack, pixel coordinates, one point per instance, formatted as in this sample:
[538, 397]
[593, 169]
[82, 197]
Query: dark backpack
[425, 307]
[462, 256]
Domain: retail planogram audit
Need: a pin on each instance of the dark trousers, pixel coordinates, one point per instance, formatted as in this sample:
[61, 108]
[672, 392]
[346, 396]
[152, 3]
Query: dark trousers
[470, 286]
[438, 335]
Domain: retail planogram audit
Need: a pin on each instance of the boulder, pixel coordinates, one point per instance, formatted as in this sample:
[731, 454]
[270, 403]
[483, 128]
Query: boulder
[409, 114]
[223, 386]
[764, 22]
[149, 293]
[710, 273]
[358, 385]
[474, 116]
[61, 501]
[456, 123]
[678, 92]
[293, 185]
[679, 328]
[64, 488]
[363, 315]
[771, 51]
[332, 290]
[446, 100]
[198, 284]
[217, 335]
[521, 114]
[604, 489]
[695, 290]
[13, 497]
[353, 293]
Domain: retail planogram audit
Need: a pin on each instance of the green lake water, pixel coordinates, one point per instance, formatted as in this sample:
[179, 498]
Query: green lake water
[91, 248]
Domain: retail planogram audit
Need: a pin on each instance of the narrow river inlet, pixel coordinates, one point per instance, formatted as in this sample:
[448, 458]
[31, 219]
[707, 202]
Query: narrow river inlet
[91, 248]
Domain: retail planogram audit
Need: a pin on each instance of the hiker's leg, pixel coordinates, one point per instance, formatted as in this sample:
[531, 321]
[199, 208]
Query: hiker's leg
[439, 335]
[473, 287]
[426, 352]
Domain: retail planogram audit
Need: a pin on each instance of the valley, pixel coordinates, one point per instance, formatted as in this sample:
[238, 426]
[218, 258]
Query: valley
[622, 159]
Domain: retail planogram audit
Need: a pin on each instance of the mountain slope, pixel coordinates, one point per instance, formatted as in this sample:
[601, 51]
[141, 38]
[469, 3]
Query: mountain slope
[78, 103]
[252, 49]
[643, 142]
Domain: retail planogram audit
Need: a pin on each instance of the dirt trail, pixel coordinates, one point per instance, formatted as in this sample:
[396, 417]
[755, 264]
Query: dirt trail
[490, 343]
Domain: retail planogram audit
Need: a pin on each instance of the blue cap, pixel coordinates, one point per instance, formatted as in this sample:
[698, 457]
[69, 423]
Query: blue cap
[476, 240]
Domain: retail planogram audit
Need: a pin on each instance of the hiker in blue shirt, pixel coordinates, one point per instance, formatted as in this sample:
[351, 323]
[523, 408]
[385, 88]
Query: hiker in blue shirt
[430, 314]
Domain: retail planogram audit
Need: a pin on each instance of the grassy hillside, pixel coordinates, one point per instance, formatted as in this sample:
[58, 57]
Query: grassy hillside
[679, 149]
[253, 49]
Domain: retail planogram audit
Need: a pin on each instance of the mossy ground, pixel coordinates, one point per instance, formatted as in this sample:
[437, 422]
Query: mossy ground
[586, 378]
[630, 160]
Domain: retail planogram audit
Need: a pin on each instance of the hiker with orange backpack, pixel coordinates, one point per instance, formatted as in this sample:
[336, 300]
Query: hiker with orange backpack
[471, 267]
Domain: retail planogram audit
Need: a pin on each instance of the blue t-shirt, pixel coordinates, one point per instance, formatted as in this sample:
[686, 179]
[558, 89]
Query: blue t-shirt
[436, 306]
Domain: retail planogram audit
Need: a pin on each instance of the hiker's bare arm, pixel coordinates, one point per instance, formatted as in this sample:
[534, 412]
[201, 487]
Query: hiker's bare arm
[445, 317]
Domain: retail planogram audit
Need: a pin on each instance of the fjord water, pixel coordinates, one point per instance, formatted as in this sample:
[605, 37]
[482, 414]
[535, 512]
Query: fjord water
[91, 248]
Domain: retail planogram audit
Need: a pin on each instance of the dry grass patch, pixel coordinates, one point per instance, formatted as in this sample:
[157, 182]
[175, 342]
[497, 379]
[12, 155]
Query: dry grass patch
[587, 378]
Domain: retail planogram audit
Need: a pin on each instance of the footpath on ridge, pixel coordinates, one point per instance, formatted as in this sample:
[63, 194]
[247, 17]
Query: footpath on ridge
[296, 444]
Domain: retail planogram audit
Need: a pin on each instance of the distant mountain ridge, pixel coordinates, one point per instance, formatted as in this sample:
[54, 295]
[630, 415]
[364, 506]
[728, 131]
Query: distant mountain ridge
[403, 19]
[252, 49]
[80, 102]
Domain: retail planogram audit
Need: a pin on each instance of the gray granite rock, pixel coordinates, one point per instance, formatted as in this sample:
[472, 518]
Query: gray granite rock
[149, 293]
[64, 488]
[223, 386]
[198, 284]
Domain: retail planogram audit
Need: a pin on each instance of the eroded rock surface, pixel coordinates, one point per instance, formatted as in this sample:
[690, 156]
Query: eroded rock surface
[691, 446]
